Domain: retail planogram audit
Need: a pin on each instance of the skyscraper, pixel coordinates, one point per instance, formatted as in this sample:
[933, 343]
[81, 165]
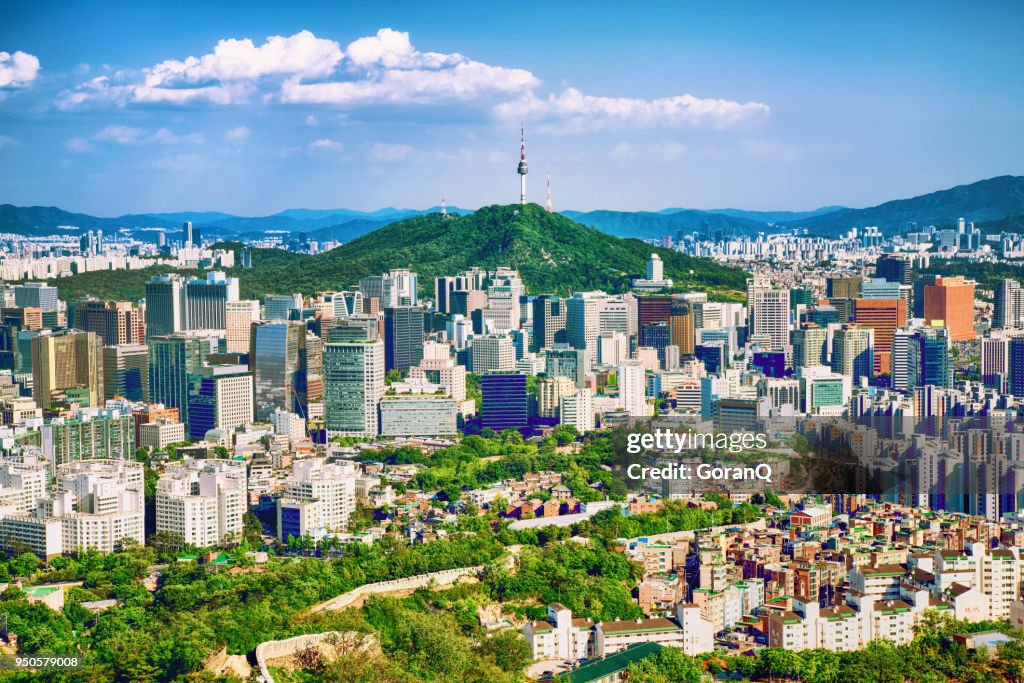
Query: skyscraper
[186, 234]
[995, 362]
[650, 309]
[853, 351]
[206, 301]
[353, 372]
[114, 322]
[505, 402]
[172, 359]
[219, 397]
[768, 312]
[549, 315]
[1008, 312]
[884, 316]
[126, 372]
[845, 287]
[1015, 385]
[682, 323]
[67, 360]
[36, 295]
[810, 346]
[572, 363]
[403, 337]
[492, 352]
[275, 360]
[165, 305]
[936, 365]
[895, 268]
[239, 317]
[583, 320]
[951, 300]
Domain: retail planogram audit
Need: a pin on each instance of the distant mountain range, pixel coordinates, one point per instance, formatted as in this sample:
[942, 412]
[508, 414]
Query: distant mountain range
[994, 202]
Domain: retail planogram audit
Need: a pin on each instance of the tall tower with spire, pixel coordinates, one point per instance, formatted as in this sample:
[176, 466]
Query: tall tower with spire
[548, 204]
[523, 170]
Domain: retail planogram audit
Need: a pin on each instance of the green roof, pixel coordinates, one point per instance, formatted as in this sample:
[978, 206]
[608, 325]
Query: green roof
[610, 664]
[40, 591]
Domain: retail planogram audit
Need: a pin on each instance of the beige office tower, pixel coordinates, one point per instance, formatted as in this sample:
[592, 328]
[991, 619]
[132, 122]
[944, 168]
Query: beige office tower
[69, 360]
[681, 322]
[768, 312]
[240, 316]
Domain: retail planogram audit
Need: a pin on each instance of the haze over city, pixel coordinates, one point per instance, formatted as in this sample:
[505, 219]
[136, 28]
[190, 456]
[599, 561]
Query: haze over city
[114, 108]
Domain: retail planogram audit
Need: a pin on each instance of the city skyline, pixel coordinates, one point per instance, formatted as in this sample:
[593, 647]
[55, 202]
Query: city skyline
[118, 109]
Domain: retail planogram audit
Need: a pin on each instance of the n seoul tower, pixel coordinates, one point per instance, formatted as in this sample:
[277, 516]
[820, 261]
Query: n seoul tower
[523, 170]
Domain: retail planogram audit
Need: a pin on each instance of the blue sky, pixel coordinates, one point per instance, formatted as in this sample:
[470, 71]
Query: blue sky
[252, 108]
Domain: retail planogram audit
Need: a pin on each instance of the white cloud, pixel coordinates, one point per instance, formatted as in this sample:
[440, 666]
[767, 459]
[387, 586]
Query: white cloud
[312, 121]
[228, 75]
[382, 151]
[663, 152]
[239, 134]
[129, 135]
[79, 145]
[324, 144]
[17, 69]
[580, 113]
[122, 135]
[7, 141]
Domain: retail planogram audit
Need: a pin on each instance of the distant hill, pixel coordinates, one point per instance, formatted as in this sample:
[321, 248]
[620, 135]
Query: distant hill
[652, 225]
[552, 253]
[983, 201]
[771, 216]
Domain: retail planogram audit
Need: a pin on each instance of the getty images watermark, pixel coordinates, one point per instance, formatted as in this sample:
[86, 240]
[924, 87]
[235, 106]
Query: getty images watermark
[668, 442]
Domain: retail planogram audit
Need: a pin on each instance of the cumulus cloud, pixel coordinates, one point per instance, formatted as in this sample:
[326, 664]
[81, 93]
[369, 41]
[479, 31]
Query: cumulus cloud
[324, 144]
[382, 151]
[130, 135]
[79, 145]
[387, 69]
[228, 75]
[17, 69]
[239, 134]
[582, 113]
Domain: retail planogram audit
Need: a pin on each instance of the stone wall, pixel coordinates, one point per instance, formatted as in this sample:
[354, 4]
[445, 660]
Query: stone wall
[273, 649]
[445, 577]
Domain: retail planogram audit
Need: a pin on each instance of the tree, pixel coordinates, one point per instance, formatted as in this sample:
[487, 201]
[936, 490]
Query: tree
[25, 565]
[508, 649]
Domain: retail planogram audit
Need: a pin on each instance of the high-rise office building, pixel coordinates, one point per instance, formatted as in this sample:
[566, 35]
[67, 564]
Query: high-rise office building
[657, 336]
[652, 309]
[951, 301]
[549, 314]
[126, 372]
[505, 401]
[353, 375]
[1015, 384]
[36, 295]
[403, 337]
[219, 397]
[492, 352]
[884, 316]
[845, 287]
[768, 312]
[578, 410]
[632, 381]
[114, 322]
[239, 317]
[936, 367]
[920, 282]
[165, 305]
[853, 351]
[172, 359]
[1008, 312]
[810, 346]
[186, 234]
[682, 323]
[572, 363]
[550, 393]
[206, 301]
[280, 306]
[64, 361]
[583, 320]
[995, 362]
[276, 362]
[895, 268]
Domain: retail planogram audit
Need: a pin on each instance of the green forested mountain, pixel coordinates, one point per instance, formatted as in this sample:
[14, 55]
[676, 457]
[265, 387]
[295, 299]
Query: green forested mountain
[551, 252]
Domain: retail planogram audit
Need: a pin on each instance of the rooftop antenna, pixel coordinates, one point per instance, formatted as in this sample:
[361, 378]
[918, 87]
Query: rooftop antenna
[548, 206]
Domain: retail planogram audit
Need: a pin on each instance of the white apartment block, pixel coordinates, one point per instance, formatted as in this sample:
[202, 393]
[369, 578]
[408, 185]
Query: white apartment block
[160, 433]
[333, 485]
[94, 504]
[577, 411]
[204, 501]
[563, 637]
